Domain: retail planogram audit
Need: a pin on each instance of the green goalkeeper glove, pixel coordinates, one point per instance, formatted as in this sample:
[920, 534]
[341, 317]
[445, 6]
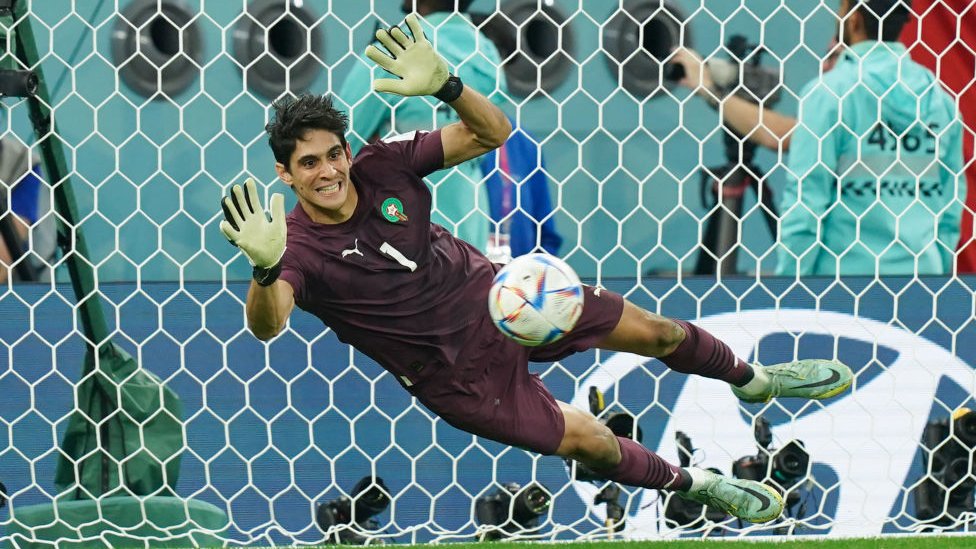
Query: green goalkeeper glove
[246, 226]
[422, 70]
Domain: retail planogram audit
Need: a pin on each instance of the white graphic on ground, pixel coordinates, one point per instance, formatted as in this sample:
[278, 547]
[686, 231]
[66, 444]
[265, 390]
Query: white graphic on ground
[868, 436]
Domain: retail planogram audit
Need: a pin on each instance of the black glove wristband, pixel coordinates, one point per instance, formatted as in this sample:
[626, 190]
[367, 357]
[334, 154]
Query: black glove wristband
[451, 89]
[266, 276]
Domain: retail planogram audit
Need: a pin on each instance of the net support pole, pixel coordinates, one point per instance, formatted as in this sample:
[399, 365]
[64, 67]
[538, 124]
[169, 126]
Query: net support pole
[15, 13]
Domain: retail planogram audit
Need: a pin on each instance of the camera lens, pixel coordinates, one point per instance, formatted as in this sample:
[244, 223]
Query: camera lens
[965, 428]
[623, 425]
[790, 464]
[534, 501]
[531, 503]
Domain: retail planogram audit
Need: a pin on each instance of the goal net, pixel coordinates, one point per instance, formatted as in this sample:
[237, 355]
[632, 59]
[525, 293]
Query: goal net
[188, 428]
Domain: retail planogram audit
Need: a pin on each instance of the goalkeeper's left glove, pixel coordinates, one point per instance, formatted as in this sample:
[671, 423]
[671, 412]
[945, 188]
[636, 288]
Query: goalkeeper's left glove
[422, 70]
[246, 226]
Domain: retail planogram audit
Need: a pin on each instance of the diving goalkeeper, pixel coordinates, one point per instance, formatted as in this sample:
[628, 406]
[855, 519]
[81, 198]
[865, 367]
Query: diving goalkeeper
[359, 252]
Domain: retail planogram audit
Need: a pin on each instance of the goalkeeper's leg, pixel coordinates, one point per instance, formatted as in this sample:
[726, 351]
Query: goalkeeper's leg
[689, 349]
[622, 460]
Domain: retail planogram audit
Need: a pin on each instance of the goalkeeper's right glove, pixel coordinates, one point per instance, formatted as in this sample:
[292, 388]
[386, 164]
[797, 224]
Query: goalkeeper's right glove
[422, 70]
[246, 226]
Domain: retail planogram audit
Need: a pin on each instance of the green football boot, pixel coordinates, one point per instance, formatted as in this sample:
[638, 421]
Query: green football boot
[746, 499]
[811, 378]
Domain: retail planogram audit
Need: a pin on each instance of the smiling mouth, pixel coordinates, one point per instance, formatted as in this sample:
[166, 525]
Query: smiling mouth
[329, 189]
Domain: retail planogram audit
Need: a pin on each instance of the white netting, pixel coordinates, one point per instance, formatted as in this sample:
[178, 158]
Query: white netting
[160, 105]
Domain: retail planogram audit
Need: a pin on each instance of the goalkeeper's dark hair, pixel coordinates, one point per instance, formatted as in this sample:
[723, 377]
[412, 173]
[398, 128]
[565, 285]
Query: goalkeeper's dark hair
[883, 19]
[294, 116]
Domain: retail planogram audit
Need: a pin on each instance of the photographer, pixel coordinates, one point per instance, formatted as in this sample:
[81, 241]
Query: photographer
[874, 155]
[762, 126]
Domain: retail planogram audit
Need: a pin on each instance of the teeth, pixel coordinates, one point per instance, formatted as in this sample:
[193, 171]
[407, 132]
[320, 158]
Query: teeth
[331, 188]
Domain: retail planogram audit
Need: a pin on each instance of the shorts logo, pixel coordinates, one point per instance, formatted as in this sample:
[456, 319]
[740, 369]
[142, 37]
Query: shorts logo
[392, 210]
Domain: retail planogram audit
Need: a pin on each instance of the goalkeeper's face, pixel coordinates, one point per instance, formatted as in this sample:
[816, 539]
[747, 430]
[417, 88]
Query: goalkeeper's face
[318, 172]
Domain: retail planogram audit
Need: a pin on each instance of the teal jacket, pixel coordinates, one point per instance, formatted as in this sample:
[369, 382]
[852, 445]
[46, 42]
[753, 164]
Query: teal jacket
[460, 199]
[874, 171]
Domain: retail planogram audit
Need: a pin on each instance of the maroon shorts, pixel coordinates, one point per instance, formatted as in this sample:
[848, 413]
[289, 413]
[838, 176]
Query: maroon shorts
[489, 391]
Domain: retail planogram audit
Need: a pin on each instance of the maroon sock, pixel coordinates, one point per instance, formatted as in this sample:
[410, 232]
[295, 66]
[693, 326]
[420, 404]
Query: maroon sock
[643, 468]
[700, 353]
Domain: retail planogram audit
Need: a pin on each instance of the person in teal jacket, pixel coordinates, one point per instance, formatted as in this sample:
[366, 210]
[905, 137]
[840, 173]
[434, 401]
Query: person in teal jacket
[874, 178]
[460, 200]
[875, 162]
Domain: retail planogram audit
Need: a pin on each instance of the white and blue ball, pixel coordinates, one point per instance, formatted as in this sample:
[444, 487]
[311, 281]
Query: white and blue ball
[536, 299]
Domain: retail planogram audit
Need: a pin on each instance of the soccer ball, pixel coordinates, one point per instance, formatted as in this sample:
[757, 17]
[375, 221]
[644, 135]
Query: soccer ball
[536, 299]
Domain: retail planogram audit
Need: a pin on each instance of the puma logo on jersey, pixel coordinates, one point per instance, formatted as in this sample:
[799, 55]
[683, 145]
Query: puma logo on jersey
[596, 291]
[353, 250]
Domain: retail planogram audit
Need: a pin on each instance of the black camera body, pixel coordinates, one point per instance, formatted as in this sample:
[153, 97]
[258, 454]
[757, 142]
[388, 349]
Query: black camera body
[947, 490]
[369, 498]
[786, 466]
[741, 75]
[512, 509]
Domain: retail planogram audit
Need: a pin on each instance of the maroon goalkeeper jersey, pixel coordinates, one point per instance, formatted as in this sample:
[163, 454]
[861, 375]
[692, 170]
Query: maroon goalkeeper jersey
[400, 289]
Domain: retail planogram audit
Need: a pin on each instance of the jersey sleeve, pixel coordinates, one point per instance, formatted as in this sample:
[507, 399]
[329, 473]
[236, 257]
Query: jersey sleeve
[421, 151]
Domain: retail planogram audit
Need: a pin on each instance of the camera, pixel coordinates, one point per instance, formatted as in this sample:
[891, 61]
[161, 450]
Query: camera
[369, 498]
[512, 509]
[747, 79]
[786, 466]
[946, 491]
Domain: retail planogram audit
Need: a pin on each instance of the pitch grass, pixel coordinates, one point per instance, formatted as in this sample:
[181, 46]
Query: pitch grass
[941, 542]
[891, 542]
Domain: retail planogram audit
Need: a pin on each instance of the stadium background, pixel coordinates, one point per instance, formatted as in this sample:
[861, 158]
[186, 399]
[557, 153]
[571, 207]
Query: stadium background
[273, 430]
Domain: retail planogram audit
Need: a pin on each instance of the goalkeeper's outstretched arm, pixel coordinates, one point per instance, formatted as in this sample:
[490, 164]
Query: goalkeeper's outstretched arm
[262, 240]
[422, 71]
[483, 127]
[268, 308]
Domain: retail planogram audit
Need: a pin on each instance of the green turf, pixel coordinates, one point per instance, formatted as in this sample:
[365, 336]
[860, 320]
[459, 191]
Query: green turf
[900, 542]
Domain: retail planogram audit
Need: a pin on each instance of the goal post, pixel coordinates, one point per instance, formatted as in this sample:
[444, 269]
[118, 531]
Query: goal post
[118, 460]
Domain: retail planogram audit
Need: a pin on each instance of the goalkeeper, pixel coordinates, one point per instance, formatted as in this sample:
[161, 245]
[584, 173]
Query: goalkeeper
[359, 251]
